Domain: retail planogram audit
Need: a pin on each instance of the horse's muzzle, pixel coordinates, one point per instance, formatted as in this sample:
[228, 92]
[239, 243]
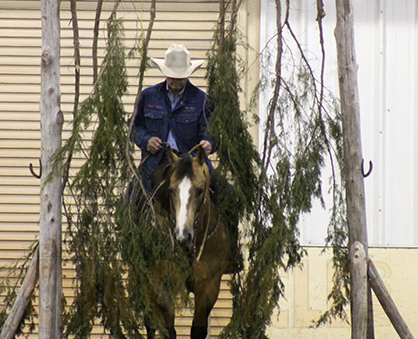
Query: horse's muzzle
[184, 238]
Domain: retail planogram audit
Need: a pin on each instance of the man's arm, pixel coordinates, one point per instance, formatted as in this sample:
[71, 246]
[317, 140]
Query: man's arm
[139, 133]
[207, 143]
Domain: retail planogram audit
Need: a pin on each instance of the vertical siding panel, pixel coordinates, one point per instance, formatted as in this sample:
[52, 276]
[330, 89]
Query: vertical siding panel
[387, 48]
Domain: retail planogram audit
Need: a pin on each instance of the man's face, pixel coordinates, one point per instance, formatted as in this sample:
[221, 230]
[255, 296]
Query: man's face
[176, 85]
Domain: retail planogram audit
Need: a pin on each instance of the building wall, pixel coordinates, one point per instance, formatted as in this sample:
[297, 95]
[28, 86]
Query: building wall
[386, 38]
[307, 288]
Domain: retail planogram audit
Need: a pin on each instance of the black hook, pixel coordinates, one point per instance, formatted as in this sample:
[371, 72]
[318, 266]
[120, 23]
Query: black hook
[365, 175]
[33, 172]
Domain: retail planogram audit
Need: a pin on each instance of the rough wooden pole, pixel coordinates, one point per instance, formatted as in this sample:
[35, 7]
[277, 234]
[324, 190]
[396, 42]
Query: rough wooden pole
[22, 299]
[359, 289]
[388, 304]
[350, 109]
[50, 211]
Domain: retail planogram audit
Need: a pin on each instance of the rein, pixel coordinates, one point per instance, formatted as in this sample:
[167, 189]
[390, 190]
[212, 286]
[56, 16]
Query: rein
[208, 237]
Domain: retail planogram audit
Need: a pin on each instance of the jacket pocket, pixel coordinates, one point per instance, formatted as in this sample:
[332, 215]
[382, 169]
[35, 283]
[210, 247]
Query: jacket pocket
[154, 121]
[188, 125]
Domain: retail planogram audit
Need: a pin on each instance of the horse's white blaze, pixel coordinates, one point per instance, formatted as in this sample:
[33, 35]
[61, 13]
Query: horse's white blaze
[184, 194]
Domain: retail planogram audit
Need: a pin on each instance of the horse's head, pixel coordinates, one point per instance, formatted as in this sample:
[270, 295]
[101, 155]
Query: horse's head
[189, 191]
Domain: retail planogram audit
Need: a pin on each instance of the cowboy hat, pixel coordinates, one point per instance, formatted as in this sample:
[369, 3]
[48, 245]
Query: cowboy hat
[177, 63]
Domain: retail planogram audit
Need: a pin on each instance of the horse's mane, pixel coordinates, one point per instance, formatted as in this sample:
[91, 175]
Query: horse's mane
[184, 167]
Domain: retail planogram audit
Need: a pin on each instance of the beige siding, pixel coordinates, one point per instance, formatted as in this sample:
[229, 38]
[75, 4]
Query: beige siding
[188, 22]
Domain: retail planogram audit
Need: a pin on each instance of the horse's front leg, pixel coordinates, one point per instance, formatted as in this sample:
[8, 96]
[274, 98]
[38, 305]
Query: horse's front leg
[169, 317]
[206, 291]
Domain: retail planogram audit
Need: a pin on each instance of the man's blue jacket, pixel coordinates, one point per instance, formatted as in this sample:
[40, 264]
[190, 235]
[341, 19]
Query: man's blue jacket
[187, 121]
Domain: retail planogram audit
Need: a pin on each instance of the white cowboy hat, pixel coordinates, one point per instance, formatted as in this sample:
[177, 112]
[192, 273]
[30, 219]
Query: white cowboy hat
[177, 63]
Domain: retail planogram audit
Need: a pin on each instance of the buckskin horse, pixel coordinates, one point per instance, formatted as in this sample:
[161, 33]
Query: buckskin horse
[183, 191]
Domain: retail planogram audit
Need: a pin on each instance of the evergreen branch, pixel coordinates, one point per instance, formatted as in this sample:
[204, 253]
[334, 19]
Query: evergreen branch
[142, 69]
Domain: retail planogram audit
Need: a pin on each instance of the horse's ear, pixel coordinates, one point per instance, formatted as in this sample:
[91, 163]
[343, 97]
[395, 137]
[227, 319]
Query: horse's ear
[172, 157]
[201, 156]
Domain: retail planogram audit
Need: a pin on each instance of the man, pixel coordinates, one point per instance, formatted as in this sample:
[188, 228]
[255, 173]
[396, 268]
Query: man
[174, 112]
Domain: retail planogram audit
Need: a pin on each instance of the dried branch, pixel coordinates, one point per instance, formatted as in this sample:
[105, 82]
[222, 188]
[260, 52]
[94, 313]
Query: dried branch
[270, 125]
[95, 39]
[222, 12]
[142, 68]
[144, 57]
[114, 10]
[234, 14]
[77, 65]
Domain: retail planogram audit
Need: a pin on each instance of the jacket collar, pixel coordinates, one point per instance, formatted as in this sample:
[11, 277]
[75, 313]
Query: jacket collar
[188, 94]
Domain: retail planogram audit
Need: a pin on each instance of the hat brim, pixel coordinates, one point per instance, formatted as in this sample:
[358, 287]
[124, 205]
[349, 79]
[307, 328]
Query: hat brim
[177, 73]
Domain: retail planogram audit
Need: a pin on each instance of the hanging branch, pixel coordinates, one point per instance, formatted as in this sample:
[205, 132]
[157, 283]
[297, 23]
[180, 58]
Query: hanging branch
[77, 59]
[96, 39]
[296, 143]
[142, 69]
[270, 121]
[77, 67]
[113, 14]
[144, 52]
[221, 25]
[98, 192]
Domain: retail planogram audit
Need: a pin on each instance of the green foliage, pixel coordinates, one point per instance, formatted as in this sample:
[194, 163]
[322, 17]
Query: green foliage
[238, 161]
[123, 261]
[272, 191]
[97, 191]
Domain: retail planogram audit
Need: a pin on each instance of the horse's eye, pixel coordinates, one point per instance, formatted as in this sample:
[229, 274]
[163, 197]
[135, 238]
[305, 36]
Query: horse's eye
[199, 192]
[172, 190]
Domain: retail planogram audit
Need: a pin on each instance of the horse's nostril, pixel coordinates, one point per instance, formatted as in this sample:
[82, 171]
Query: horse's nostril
[176, 235]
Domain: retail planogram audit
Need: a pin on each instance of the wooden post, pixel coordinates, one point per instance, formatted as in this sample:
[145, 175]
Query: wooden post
[359, 290]
[50, 211]
[22, 299]
[350, 109]
[388, 304]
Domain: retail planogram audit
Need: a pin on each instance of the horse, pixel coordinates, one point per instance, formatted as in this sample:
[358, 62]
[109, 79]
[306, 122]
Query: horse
[182, 190]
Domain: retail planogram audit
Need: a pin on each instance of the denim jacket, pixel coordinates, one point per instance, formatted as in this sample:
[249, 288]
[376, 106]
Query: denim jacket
[187, 121]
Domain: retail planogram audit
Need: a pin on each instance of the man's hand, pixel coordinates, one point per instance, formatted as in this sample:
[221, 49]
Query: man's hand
[206, 146]
[154, 145]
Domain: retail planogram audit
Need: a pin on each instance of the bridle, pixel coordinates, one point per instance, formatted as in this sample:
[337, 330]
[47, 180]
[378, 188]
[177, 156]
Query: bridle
[198, 211]
[199, 215]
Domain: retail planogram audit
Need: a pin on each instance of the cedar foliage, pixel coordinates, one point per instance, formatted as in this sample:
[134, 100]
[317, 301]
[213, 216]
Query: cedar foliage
[272, 190]
[117, 250]
[95, 193]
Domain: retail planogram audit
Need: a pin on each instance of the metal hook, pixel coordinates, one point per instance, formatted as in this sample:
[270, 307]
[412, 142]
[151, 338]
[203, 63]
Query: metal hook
[33, 172]
[365, 175]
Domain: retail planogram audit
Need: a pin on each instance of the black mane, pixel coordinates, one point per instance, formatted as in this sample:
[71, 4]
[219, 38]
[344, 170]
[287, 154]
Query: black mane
[184, 168]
